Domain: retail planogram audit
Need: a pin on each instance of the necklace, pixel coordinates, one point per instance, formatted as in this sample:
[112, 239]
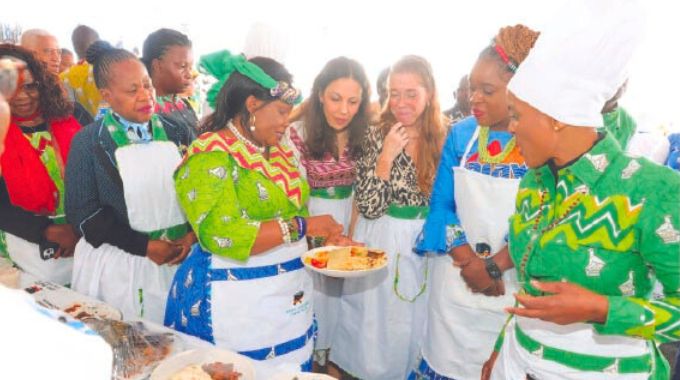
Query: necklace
[484, 155]
[244, 140]
[536, 233]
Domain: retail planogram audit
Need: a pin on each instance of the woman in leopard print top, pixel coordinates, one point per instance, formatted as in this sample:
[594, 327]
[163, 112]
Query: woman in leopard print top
[382, 316]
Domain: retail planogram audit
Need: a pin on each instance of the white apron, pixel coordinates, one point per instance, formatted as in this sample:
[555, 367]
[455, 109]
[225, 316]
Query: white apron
[258, 313]
[135, 284]
[379, 333]
[514, 362]
[261, 308]
[463, 326]
[328, 290]
[28, 257]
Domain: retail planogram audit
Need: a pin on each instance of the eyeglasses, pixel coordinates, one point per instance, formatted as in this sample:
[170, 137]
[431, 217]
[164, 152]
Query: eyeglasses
[32, 87]
[50, 51]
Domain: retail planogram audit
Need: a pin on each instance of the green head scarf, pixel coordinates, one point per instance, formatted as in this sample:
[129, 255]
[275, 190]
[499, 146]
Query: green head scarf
[222, 64]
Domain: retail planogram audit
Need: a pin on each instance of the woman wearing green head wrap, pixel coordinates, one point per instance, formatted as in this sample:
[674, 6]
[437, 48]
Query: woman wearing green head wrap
[243, 287]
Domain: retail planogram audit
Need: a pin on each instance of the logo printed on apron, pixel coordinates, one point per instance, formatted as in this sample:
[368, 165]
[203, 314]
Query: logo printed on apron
[483, 204]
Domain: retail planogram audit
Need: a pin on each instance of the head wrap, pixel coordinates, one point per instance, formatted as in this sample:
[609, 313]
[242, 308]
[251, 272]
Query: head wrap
[222, 64]
[580, 60]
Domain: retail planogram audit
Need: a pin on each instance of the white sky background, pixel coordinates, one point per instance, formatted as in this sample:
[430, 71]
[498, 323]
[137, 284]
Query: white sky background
[450, 34]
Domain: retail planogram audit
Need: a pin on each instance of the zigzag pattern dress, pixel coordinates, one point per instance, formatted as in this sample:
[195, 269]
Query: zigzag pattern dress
[608, 222]
[261, 305]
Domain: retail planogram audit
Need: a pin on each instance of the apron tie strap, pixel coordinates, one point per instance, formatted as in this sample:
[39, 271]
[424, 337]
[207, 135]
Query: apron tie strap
[585, 362]
[333, 192]
[408, 212]
[254, 273]
[283, 348]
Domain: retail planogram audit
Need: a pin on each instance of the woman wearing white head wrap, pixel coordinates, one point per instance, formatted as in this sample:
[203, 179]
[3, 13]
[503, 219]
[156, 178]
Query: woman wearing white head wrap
[591, 230]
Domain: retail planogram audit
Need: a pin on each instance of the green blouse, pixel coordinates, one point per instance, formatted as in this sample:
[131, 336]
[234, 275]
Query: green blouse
[608, 222]
[42, 141]
[620, 125]
[227, 189]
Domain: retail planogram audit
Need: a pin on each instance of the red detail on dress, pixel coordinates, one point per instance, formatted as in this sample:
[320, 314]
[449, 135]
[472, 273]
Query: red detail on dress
[28, 183]
[494, 148]
[326, 172]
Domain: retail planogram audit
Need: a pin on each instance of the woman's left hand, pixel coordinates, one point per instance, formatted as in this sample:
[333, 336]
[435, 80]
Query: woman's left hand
[567, 303]
[476, 277]
[185, 243]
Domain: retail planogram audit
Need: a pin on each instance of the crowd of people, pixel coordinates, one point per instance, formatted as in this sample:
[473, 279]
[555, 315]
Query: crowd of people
[524, 240]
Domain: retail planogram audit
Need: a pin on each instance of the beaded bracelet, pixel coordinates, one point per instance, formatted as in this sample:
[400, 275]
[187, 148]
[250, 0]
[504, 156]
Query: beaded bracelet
[302, 226]
[285, 231]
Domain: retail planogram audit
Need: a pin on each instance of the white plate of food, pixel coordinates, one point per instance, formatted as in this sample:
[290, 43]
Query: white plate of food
[302, 376]
[205, 364]
[345, 262]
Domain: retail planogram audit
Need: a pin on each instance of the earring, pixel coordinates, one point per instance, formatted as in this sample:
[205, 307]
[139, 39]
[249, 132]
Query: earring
[252, 123]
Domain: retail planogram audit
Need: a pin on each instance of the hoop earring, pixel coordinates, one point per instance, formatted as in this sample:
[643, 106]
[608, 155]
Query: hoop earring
[252, 123]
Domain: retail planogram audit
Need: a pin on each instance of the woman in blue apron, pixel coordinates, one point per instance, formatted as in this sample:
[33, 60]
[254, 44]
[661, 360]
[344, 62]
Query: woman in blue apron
[473, 196]
[327, 143]
[382, 316]
[121, 195]
[244, 286]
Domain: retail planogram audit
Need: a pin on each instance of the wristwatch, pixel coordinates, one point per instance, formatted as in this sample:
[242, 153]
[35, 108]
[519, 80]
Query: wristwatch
[492, 269]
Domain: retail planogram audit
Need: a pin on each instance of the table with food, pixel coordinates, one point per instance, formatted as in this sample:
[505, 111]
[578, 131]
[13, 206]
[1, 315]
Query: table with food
[146, 350]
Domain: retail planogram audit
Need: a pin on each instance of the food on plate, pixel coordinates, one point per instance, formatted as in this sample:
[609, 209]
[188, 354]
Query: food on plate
[347, 259]
[136, 350]
[210, 371]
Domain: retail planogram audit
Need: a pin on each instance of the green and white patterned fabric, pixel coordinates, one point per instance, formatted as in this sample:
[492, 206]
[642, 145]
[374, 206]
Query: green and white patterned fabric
[617, 233]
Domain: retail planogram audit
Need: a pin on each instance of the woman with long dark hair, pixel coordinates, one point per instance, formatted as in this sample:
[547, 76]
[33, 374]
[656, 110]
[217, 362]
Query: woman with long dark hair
[328, 141]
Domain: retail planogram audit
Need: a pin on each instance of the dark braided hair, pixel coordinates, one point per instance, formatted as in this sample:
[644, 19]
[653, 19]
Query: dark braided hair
[102, 55]
[53, 104]
[158, 42]
[516, 41]
[319, 136]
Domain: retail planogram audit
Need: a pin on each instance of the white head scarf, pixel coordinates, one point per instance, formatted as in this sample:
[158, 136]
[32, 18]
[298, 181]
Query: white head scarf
[580, 60]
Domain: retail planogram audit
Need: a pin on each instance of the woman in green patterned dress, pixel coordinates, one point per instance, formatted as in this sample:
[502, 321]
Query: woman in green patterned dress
[243, 287]
[592, 229]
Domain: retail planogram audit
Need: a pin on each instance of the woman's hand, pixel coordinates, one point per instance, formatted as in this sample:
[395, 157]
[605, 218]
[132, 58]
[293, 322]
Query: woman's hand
[161, 252]
[567, 303]
[473, 270]
[323, 226]
[462, 255]
[488, 366]
[393, 144]
[65, 236]
[185, 244]
[342, 241]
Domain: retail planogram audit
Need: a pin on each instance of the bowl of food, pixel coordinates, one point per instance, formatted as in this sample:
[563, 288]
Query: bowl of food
[345, 262]
[205, 364]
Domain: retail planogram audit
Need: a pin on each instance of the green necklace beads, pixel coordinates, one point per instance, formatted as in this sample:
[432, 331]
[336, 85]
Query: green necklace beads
[483, 141]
